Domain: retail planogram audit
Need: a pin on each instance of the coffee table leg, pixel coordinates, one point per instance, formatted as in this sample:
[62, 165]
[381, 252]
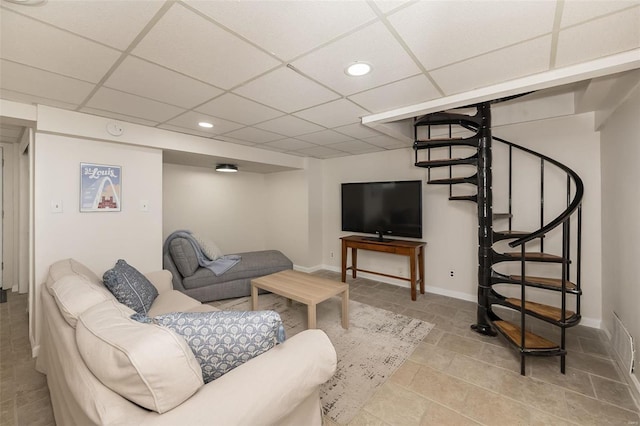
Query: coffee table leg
[311, 316]
[345, 309]
[254, 297]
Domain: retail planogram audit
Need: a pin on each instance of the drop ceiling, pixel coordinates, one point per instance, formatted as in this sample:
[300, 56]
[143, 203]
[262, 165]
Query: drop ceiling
[270, 74]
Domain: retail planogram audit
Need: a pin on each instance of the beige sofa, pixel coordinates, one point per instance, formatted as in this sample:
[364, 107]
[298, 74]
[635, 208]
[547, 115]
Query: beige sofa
[281, 386]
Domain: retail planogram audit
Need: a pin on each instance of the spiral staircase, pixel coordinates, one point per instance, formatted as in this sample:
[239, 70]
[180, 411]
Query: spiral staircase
[460, 142]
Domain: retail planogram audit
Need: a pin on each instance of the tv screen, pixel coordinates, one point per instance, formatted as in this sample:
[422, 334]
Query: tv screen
[383, 208]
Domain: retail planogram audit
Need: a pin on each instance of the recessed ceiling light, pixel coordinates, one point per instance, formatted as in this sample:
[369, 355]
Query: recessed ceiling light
[205, 124]
[358, 68]
[227, 168]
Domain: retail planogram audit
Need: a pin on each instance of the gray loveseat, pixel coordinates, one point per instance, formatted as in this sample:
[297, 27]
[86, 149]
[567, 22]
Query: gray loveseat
[202, 284]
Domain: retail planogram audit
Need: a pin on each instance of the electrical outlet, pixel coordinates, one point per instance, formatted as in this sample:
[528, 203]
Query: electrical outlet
[331, 254]
[451, 273]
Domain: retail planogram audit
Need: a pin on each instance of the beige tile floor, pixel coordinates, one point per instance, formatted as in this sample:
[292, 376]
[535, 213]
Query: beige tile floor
[455, 376]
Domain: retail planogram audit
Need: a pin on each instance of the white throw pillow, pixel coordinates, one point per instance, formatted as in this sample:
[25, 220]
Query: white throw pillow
[74, 295]
[209, 248]
[147, 364]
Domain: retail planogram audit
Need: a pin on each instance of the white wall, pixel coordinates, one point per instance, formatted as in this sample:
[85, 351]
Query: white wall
[246, 211]
[450, 228]
[620, 213]
[99, 239]
[226, 207]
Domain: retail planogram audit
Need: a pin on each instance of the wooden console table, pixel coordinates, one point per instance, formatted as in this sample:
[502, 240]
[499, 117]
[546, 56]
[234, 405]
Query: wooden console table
[413, 249]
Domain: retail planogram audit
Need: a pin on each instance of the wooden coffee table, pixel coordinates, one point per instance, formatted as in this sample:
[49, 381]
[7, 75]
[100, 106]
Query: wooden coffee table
[303, 288]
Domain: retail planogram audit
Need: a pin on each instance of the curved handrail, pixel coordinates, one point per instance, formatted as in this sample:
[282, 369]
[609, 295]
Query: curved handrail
[562, 217]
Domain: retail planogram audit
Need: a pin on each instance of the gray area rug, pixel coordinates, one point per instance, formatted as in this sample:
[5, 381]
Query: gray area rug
[369, 352]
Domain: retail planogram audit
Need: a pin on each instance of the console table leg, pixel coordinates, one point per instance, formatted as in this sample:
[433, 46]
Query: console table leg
[421, 269]
[354, 261]
[412, 266]
[344, 261]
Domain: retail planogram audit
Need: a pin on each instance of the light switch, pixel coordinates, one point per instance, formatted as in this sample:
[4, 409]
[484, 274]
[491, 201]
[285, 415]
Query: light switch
[56, 206]
[144, 205]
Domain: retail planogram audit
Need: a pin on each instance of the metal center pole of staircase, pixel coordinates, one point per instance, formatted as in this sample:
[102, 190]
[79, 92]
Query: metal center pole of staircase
[485, 221]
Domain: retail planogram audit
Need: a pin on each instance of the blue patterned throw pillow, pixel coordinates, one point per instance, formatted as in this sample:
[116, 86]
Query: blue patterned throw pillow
[223, 340]
[130, 287]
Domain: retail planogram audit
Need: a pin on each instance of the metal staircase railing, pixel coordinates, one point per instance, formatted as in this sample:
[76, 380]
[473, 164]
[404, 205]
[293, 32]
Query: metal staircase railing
[488, 320]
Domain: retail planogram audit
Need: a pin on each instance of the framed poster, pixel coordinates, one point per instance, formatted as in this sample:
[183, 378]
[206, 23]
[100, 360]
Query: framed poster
[100, 188]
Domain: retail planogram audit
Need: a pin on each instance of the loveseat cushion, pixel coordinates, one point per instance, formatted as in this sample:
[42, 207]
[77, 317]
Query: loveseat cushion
[147, 364]
[130, 287]
[184, 256]
[74, 294]
[70, 267]
[223, 340]
[253, 264]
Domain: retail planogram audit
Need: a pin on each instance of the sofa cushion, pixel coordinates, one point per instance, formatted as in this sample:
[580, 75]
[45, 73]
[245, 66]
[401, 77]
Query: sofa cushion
[184, 256]
[208, 247]
[130, 287]
[70, 267]
[223, 340]
[147, 364]
[172, 301]
[74, 294]
[253, 264]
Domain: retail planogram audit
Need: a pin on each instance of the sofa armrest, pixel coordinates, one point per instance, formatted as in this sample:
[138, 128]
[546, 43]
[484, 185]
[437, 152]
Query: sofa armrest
[262, 391]
[162, 280]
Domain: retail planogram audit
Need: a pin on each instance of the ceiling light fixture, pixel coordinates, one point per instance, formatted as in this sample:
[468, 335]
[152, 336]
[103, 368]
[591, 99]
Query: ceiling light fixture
[358, 69]
[205, 124]
[226, 168]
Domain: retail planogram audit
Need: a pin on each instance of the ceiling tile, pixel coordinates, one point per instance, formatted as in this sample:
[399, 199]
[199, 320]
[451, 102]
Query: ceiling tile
[202, 133]
[334, 114]
[186, 42]
[585, 42]
[235, 108]
[443, 32]
[191, 119]
[357, 131]
[387, 6]
[124, 103]
[356, 147]
[324, 137]
[384, 141]
[32, 81]
[117, 116]
[506, 64]
[410, 91]
[576, 12]
[374, 45]
[288, 144]
[271, 24]
[39, 45]
[322, 152]
[289, 125]
[152, 81]
[286, 90]
[95, 19]
[24, 98]
[254, 135]
[236, 141]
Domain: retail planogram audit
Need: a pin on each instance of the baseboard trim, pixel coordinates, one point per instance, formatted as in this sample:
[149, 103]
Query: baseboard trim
[309, 269]
[585, 321]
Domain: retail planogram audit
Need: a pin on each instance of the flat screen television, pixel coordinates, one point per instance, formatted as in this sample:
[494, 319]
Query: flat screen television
[383, 208]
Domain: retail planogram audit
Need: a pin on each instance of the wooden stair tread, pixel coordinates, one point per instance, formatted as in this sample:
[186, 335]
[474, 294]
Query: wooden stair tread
[535, 256]
[550, 282]
[532, 341]
[546, 311]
